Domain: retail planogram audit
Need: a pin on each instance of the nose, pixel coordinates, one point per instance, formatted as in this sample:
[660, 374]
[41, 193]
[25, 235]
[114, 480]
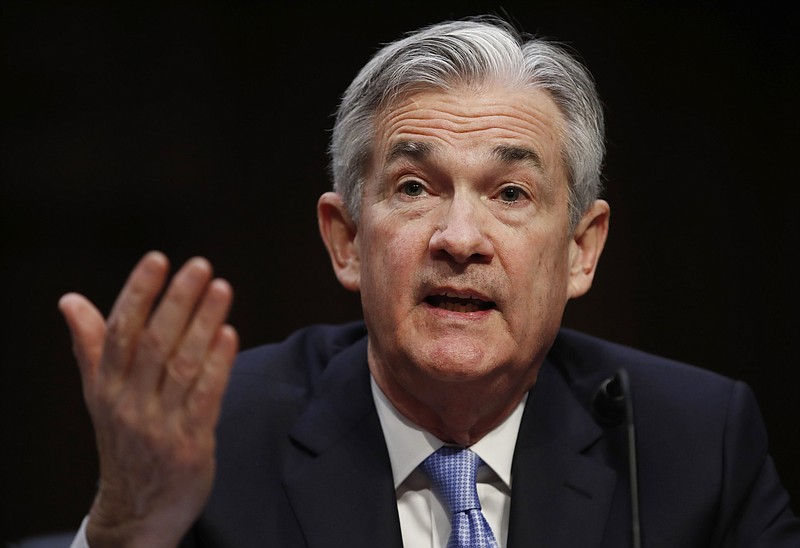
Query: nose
[461, 233]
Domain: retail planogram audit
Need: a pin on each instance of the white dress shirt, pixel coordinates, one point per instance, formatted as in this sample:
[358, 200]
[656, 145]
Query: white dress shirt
[424, 521]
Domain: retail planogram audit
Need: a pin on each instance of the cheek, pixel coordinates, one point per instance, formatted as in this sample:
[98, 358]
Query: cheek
[392, 254]
[537, 275]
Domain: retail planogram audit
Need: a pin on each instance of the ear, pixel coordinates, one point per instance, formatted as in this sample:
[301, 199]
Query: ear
[340, 236]
[586, 246]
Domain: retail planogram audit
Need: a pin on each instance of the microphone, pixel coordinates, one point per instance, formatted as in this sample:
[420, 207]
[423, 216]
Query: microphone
[609, 401]
[612, 403]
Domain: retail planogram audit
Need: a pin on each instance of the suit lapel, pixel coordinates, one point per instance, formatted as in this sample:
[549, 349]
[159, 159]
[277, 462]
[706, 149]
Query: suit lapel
[339, 479]
[561, 496]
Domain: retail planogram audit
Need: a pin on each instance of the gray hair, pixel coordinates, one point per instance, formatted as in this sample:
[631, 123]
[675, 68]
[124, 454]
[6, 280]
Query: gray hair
[470, 52]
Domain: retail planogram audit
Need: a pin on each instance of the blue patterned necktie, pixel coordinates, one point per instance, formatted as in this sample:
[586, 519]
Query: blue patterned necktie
[452, 471]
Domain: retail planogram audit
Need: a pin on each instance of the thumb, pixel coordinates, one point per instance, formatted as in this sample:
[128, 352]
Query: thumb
[87, 328]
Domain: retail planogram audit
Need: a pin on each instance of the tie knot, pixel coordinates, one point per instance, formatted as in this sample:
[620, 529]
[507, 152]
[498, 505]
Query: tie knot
[452, 471]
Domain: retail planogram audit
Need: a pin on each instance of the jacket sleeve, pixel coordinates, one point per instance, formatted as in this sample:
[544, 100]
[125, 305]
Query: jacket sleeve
[754, 507]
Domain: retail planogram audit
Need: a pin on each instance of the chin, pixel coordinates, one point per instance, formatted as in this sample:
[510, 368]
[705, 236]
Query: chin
[456, 363]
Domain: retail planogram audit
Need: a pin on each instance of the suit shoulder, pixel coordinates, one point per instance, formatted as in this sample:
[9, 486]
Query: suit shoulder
[580, 354]
[656, 381]
[671, 398]
[300, 357]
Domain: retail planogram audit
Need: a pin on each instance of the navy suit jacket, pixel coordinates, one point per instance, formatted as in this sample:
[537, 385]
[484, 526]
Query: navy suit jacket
[302, 461]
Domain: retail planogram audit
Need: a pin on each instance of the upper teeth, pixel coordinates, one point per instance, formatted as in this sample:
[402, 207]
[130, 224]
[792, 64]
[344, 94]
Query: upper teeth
[458, 296]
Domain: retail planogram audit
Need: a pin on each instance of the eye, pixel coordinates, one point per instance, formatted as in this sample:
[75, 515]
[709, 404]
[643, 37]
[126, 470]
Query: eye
[511, 194]
[412, 188]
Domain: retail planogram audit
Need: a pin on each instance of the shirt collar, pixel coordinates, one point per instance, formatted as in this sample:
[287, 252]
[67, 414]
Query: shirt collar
[409, 445]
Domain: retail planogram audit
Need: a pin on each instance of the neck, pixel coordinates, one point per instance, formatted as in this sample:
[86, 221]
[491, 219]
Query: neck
[455, 412]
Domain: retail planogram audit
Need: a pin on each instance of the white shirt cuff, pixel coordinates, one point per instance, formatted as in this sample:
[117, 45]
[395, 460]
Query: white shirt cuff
[80, 537]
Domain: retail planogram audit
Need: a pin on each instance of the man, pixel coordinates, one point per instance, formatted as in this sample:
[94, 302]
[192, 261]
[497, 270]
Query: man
[466, 212]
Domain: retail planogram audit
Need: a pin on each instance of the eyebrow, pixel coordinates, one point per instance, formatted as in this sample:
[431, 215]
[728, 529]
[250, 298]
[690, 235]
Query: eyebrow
[511, 154]
[409, 149]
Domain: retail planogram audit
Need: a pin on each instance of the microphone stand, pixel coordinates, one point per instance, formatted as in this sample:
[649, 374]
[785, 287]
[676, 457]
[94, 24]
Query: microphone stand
[613, 401]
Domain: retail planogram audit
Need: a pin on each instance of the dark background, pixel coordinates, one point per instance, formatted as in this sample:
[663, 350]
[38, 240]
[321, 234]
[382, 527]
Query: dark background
[201, 129]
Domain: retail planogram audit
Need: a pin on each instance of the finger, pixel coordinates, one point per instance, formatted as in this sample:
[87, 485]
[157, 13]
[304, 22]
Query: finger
[204, 400]
[167, 325]
[87, 329]
[187, 361]
[130, 312]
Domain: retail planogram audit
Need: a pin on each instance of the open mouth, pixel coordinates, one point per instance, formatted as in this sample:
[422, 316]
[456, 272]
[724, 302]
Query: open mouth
[459, 304]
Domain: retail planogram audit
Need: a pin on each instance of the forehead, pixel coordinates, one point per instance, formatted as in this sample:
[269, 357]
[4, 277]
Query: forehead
[473, 121]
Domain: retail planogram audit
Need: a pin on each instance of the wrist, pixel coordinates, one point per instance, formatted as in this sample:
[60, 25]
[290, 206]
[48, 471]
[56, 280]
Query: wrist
[105, 529]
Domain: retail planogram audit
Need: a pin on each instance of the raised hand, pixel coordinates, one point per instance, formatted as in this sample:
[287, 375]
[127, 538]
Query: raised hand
[153, 377]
